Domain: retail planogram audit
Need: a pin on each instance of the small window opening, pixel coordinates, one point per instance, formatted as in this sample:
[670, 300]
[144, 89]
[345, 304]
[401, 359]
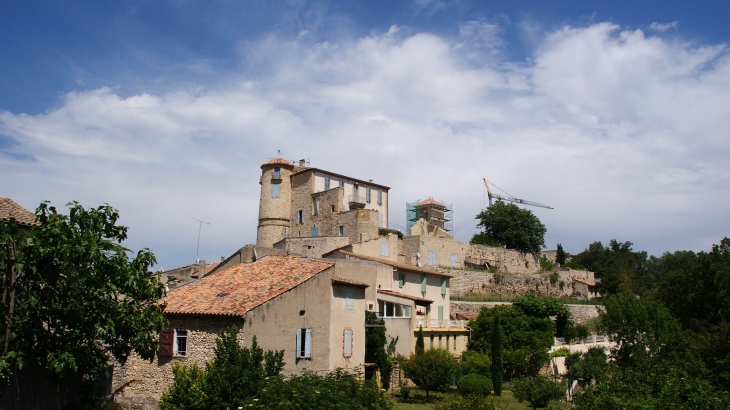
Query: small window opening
[301, 313]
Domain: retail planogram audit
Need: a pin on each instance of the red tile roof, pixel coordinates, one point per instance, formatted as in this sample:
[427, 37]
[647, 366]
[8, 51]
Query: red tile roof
[345, 281]
[403, 295]
[586, 282]
[9, 208]
[465, 315]
[399, 266]
[431, 201]
[240, 288]
[278, 161]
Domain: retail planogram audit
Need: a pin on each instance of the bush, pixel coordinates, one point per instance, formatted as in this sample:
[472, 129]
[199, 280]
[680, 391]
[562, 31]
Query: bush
[405, 393]
[432, 370]
[537, 390]
[470, 403]
[475, 384]
[562, 352]
[476, 362]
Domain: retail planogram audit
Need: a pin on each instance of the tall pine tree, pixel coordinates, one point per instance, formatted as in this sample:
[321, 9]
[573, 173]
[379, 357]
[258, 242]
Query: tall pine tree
[560, 257]
[497, 357]
[420, 346]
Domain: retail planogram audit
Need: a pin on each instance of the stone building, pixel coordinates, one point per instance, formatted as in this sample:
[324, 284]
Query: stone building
[298, 201]
[289, 303]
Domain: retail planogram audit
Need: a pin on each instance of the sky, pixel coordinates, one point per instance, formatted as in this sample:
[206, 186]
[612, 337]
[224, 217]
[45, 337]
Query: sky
[616, 114]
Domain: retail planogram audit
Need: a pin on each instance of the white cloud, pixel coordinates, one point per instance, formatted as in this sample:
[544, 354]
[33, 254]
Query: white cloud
[622, 133]
[663, 26]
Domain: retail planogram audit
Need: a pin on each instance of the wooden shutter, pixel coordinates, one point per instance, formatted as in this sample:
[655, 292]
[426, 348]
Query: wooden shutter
[308, 344]
[443, 286]
[348, 343]
[423, 283]
[441, 313]
[431, 258]
[167, 338]
[299, 343]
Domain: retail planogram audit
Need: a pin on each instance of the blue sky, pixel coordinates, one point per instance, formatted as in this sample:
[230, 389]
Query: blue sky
[615, 113]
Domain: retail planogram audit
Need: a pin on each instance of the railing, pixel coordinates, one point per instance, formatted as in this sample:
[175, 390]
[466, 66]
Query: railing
[356, 199]
[588, 340]
[439, 324]
[510, 298]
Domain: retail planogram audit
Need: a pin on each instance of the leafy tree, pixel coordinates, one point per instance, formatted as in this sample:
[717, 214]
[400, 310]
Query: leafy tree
[545, 307]
[474, 384]
[473, 362]
[235, 375]
[420, 345]
[619, 268]
[589, 366]
[496, 349]
[78, 296]
[432, 370]
[539, 391]
[560, 256]
[510, 226]
[375, 342]
[525, 339]
[335, 390]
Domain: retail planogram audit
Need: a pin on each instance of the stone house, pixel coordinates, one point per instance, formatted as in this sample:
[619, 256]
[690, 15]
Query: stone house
[289, 303]
[299, 201]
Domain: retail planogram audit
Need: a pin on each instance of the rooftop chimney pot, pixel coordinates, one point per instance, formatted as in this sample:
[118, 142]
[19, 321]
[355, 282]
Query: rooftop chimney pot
[302, 163]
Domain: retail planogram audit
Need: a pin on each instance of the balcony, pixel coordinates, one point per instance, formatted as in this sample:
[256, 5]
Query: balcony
[356, 202]
[440, 324]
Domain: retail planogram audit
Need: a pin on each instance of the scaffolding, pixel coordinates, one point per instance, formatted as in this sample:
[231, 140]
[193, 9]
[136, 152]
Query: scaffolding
[412, 215]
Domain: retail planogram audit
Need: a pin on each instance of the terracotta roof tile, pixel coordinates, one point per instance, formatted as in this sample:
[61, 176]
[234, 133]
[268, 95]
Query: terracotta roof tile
[400, 266]
[431, 201]
[278, 161]
[586, 282]
[403, 295]
[240, 288]
[465, 315]
[9, 208]
[345, 281]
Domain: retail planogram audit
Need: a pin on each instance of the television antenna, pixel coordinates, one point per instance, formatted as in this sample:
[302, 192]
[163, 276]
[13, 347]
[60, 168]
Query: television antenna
[200, 228]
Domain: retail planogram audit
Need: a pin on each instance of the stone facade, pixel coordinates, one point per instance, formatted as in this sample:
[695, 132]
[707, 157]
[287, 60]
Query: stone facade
[274, 212]
[465, 283]
[311, 247]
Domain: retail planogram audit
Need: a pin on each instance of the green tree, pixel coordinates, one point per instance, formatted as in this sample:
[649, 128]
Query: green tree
[79, 297]
[235, 375]
[510, 226]
[420, 345]
[539, 391]
[432, 370]
[476, 363]
[619, 268]
[375, 343]
[496, 350]
[525, 339]
[546, 307]
[560, 256]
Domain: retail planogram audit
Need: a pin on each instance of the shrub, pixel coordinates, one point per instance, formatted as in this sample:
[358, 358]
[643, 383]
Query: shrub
[554, 277]
[537, 390]
[405, 393]
[432, 370]
[476, 362]
[562, 352]
[546, 265]
[475, 384]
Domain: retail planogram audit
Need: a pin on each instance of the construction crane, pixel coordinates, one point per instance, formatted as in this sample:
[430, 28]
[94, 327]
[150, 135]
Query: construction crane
[510, 198]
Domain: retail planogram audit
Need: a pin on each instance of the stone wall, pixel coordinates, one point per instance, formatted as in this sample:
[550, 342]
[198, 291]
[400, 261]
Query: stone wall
[505, 260]
[465, 283]
[581, 313]
[139, 384]
[359, 224]
[311, 247]
[274, 213]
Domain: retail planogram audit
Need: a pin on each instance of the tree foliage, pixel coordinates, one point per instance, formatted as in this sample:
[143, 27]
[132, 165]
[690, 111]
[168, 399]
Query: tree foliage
[560, 256]
[235, 375]
[507, 225]
[545, 307]
[618, 267]
[80, 298]
[496, 351]
[525, 339]
[420, 345]
[475, 384]
[375, 343]
[432, 370]
[539, 391]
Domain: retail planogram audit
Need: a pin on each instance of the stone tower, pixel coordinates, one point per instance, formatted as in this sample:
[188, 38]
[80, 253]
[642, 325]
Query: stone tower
[275, 202]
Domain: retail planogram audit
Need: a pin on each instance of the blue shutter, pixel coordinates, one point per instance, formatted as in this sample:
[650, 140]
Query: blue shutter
[277, 173]
[342, 230]
[431, 258]
[275, 190]
[326, 183]
[308, 344]
[380, 197]
[299, 343]
[367, 194]
[348, 343]
[314, 232]
[349, 299]
[454, 260]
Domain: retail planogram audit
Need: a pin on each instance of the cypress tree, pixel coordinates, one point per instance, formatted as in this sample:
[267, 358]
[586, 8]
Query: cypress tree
[420, 346]
[561, 256]
[497, 357]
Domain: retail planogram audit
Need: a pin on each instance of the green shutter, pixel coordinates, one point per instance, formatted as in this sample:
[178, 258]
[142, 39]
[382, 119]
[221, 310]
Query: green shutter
[443, 286]
[441, 313]
[423, 283]
[401, 279]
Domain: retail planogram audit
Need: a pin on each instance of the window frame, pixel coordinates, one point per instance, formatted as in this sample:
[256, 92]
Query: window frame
[367, 194]
[275, 190]
[326, 183]
[304, 344]
[431, 258]
[380, 197]
[176, 352]
[349, 299]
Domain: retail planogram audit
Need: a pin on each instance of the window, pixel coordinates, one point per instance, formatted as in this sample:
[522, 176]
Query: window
[277, 173]
[342, 230]
[454, 260]
[367, 194]
[431, 258]
[354, 189]
[347, 348]
[383, 249]
[443, 286]
[349, 298]
[314, 232]
[300, 217]
[423, 283]
[181, 342]
[393, 310]
[380, 197]
[304, 344]
[315, 205]
[326, 183]
[275, 188]
[401, 279]
[342, 184]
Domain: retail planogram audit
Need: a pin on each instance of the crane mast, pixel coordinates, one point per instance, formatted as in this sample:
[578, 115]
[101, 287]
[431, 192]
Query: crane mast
[508, 198]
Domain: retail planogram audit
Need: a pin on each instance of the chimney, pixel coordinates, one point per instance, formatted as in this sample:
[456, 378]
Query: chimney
[302, 163]
[223, 258]
[201, 269]
[371, 180]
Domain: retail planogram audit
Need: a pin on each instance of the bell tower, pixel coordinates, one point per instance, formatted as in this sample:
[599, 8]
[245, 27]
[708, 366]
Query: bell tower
[275, 202]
